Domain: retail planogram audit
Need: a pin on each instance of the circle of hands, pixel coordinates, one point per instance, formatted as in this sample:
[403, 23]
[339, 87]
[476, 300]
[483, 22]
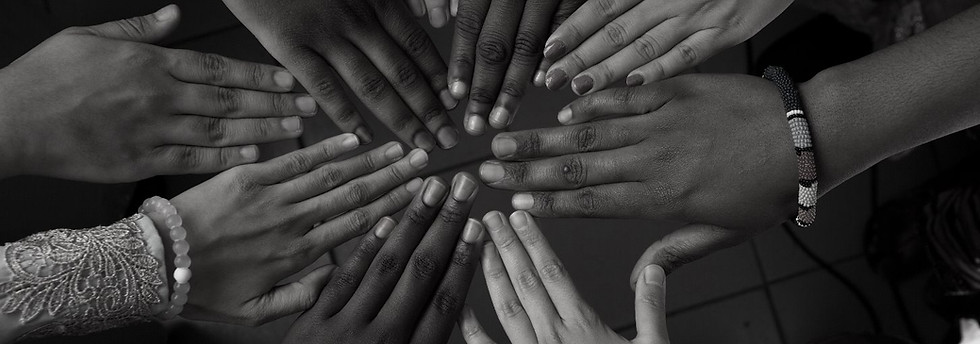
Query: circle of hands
[658, 149]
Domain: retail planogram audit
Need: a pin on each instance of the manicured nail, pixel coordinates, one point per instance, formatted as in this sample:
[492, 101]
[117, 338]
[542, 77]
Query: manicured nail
[555, 50]
[414, 185]
[448, 137]
[438, 17]
[503, 146]
[306, 104]
[519, 219]
[634, 79]
[166, 14]
[494, 220]
[424, 140]
[654, 274]
[350, 141]
[419, 158]
[556, 79]
[284, 79]
[475, 125]
[492, 172]
[458, 89]
[394, 152]
[447, 100]
[384, 227]
[499, 117]
[463, 187]
[565, 115]
[433, 193]
[522, 202]
[582, 84]
[473, 232]
[249, 153]
[292, 124]
[364, 134]
[539, 77]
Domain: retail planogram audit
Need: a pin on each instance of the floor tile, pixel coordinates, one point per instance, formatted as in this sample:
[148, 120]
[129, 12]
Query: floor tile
[743, 319]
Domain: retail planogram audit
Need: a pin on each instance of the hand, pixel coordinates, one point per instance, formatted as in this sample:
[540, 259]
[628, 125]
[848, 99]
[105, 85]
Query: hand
[536, 300]
[254, 225]
[713, 150]
[648, 39]
[375, 47]
[408, 288]
[496, 49]
[100, 104]
[438, 10]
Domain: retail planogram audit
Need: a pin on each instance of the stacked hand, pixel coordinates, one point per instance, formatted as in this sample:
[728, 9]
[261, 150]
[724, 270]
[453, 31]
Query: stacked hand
[101, 104]
[406, 282]
[254, 225]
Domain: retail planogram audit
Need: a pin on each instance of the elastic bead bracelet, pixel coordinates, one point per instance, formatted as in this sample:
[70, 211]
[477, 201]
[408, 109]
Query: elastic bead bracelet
[800, 128]
[182, 263]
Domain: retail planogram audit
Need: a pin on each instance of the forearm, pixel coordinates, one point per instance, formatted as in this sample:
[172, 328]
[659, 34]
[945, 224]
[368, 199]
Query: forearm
[895, 99]
[10, 142]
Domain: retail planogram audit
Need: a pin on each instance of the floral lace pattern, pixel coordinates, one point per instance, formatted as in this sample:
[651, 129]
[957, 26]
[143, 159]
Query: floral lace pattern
[89, 280]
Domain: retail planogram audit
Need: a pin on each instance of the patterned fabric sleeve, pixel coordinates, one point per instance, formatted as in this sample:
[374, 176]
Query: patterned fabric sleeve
[81, 281]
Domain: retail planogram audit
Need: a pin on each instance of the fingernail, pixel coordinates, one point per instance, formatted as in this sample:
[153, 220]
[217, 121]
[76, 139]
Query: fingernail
[448, 137]
[394, 152]
[306, 104]
[539, 78]
[433, 193]
[522, 202]
[364, 134]
[475, 125]
[419, 158]
[284, 79]
[414, 185]
[350, 141]
[519, 219]
[438, 17]
[565, 115]
[250, 153]
[447, 100]
[491, 172]
[418, 9]
[634, 79]
[582, 84]
[556, 79]
[292, 124]
[166, 14]
[494, 220]
[424, 140]
[458, 89]
[503, 146]
[473, 232]
[384, 227]
[454, 7]
[654, 274]
[463, 187]
[555, 50]
[500, 117]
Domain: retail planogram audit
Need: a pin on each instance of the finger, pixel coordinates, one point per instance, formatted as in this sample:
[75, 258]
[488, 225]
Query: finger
[237, 103]
[474, 124]
[215, 70]
[360, 191]
[150, 28]
[320, 80]
[290, 298]
[332, 175]
[416, 43]
[494, 51]
[447, 302]
[549, 142]
[651, 311]
[438, 12]
[561, 173]
[511, 313]
[616, 102]
[374, 90]
[565, 10]
[225, 132]
[470, 328]
[549, 268]
[417, 6]
[469, 23]
[431, 259]
[582, 24]
[685, 245]
[348, 276]
[304, 160]
[527, 53]
[689, 53]
[174, 159]
[388, 266]
[602, 201]
[454, 7]
[643, 49]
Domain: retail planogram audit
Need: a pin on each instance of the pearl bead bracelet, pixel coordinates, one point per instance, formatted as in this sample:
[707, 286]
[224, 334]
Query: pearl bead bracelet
[162, 208]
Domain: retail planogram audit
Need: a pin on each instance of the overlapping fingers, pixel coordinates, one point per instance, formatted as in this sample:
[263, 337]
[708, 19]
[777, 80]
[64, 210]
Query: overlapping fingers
[226, 102]
[215, 70]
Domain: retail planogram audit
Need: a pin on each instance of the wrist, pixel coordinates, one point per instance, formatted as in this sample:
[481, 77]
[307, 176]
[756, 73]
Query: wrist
[831, 131]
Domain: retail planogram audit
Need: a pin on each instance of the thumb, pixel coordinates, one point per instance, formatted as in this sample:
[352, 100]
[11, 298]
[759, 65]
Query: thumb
[651, 314]
[685, 245]
[290, 298]
[150, 28]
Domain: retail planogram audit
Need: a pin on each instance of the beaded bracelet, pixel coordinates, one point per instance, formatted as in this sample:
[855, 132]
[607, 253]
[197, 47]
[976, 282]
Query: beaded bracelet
[800, 128]
[182, 263]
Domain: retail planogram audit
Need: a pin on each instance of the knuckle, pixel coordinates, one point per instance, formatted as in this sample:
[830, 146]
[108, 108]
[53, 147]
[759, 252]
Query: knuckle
[574, 172]
[229, 100]
[298, 163]
[528, 280]
[605, 9]
[508, 243]
[623, 95]
[186, 158]
[615, 34]
[496, 274]
[546, 202]
[512, 308]
[346, 279]
[688, 54]
[357, 193]
[416, 41]
[469, 22]
[527, 47]
[453, 214]
[517, 172]
[586, 138]
[493, 50]
[462, 255]
[402, 122]
[388, 263]
[327, 87]
[329, 178]
[482, 95]
[358, 221]
[372, 88]
[406, 74]
[553, 271]
[529, 144]
[255, 75]
[416, 216]
[244, 182]
[647, 47]
[279, 104]
[134, 27]
[215, 130]
[513, 88]
[446, 302]
[430, 115]
[587, 202]
[424, 266]
[396, 174]
[215, 68]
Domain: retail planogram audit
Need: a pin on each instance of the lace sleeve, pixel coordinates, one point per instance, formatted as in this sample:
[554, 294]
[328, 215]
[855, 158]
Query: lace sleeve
[74, 282]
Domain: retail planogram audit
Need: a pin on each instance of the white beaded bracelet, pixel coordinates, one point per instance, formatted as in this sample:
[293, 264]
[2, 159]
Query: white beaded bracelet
[182, 263]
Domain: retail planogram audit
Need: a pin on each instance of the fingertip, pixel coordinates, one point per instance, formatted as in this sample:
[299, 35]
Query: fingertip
[448, 100]
[520, 219]
[384, 227]
[364, 134]
[167, 13]
[500, 117]
[306, 105]
[284, 80]
[249, 154]
[539, 78]
[565, 115]
[475, 125]
[635, 79]
[473, 232]
[458, 89]
[522, 201]
[438, 17]
[654, 274]
[414, 185]
[556, 79]
[554, 49]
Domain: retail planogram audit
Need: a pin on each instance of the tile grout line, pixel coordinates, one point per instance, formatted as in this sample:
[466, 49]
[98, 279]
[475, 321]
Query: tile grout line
[768, 292]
